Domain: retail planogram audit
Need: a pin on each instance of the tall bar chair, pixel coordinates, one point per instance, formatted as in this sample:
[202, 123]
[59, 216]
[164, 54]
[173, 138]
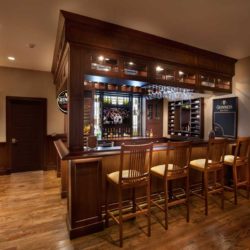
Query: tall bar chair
[176, 167]
[239, 160]
[212, 164]
[135, 162]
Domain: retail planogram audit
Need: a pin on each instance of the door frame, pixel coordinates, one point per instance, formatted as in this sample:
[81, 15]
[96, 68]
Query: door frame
[43, 102]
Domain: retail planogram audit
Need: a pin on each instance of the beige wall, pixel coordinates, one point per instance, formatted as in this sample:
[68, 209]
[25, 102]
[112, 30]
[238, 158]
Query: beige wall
[241, 89]
[28, 83]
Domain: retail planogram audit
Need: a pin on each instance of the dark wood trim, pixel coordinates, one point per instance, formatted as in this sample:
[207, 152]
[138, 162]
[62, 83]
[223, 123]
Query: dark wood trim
[61, 148]
[5, 171]
[43, 102]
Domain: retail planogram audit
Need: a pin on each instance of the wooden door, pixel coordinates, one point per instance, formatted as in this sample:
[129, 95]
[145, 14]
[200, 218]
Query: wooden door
[26, 132]
[154, 119]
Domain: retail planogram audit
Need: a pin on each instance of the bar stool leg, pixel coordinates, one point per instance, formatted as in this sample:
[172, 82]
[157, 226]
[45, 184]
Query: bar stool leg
[235, 177]
[120, 218]
[202, 183]
[187, 197]
[206, 192]
[149, 209]
[222, 185]
[133, 200]
[248, 182]
[106, 204]
[166, 203]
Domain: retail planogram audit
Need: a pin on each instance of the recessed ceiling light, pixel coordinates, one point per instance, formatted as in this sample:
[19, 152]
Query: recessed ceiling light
[11, 58]
[131, 63]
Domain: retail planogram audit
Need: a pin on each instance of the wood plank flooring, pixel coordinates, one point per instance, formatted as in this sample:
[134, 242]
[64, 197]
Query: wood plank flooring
[32, 216]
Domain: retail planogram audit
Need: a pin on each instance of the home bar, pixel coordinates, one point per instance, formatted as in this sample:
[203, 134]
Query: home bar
[128, 87]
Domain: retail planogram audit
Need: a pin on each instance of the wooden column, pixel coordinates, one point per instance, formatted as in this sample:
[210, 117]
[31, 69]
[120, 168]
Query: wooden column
[75, 99]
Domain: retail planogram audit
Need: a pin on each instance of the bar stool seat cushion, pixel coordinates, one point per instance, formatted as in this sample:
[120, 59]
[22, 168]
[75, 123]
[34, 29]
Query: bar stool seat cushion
[125, 174]
[199, 164]
[229, 159]
[160, 169]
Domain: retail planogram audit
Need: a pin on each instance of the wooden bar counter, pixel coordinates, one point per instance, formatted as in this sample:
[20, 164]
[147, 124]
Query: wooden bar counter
[83, 182]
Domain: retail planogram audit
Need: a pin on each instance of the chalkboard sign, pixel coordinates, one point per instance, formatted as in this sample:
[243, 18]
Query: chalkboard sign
[225, 117]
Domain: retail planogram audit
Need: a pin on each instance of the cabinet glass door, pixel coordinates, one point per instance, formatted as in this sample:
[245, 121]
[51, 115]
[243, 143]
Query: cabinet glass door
[134, 67]
[104, 63]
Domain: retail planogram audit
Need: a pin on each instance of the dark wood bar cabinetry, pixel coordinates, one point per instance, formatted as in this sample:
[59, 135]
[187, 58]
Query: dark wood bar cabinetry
[94, 60]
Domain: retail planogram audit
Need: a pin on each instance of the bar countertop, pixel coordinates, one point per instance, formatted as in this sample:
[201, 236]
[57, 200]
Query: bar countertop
[100, 151]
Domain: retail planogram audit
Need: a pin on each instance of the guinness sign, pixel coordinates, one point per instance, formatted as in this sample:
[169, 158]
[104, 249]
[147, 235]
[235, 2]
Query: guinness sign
[225, 113]
[62, 101]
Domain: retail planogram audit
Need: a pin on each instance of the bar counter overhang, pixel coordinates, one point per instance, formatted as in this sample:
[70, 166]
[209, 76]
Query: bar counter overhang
[78, 38]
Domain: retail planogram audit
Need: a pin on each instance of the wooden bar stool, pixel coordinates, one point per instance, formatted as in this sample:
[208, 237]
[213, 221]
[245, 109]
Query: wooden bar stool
[135, 162]
[176, 167]
[212, 164]
[238, 161]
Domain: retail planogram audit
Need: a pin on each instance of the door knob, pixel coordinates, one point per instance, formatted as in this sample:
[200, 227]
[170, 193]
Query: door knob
[13, 140]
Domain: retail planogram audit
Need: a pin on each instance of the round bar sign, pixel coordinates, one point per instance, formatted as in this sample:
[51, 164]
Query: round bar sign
[62, 101]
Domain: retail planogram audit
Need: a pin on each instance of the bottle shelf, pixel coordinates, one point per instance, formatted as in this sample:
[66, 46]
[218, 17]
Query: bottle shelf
[186, 118]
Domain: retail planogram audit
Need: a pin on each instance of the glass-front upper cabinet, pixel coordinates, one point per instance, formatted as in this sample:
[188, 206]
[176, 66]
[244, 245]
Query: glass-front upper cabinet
[207, 81]
[223, 83]
[107, 64]
[186, 76]
[164, 72]
[215, 82]
[134, 67]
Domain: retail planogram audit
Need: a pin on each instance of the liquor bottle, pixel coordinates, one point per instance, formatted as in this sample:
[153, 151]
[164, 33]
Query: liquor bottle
[151, 133]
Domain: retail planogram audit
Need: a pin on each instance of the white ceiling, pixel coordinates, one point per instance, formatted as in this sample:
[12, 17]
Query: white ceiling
[220, 26]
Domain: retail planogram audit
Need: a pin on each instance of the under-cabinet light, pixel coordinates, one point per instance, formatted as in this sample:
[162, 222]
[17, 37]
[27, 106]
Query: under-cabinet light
[159, 68]
[100, 58]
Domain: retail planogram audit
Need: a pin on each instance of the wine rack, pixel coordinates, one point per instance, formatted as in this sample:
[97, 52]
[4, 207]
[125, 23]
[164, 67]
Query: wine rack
[185, 118]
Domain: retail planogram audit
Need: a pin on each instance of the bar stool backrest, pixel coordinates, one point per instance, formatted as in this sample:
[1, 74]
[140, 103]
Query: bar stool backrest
[137, 160]
[178, 157]
[215, 153]
[242, 150]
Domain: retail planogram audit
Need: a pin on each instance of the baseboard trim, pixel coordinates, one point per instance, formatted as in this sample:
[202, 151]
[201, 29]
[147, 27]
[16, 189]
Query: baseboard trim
[6, 171]
[84, 230]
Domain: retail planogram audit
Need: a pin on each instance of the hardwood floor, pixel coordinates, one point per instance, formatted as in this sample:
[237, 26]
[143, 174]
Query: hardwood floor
[32, 216]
